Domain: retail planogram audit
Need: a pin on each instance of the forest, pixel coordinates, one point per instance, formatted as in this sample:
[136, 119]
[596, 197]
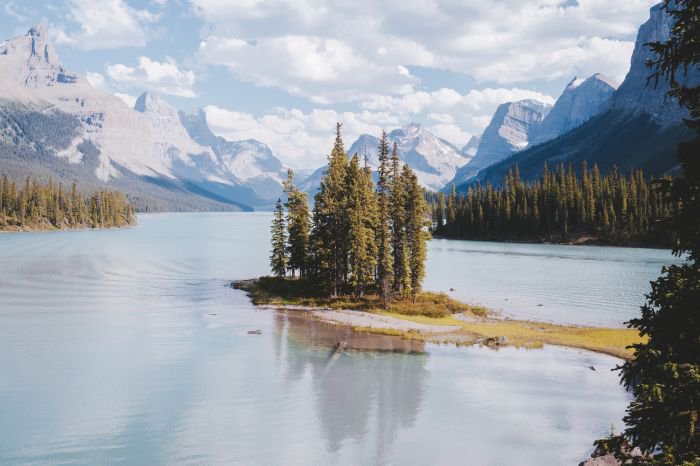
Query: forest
[559, 207]
[36, 206]
[358, 238]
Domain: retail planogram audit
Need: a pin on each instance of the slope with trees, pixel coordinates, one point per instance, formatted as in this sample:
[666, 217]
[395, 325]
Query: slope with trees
[35, 206]
[559, 207]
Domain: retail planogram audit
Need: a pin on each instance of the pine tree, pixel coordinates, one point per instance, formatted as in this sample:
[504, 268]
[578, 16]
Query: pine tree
[416, 223]
[362, 214]
[664, 376]
[452, 210]
[385, 264]
[398, 199]
[329, 230]
[440, 211]
[297, 226]
[278, 258]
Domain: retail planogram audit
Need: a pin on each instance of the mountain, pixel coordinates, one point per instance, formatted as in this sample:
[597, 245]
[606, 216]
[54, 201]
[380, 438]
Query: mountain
[581, 100]
[54, 123]
[434, 160]
[639, 128]
[250, 162]
[508, 132]
[470, 148]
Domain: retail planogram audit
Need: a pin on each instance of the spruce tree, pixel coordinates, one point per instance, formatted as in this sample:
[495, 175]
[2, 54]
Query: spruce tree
[397, 204]
[417, 236]
[664, 417]
[297, 226]
[278, 257]
[385, 265]
[362, 215]
[329, 229]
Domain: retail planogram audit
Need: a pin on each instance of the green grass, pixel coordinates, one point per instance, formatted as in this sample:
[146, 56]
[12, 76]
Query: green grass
[528, 334]
[303, 292]
[439, 309]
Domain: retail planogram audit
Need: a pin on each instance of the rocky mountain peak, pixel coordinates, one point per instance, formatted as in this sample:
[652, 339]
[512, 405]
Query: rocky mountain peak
[149, 102]
[31, 60]
[638, 96]
[581, 100]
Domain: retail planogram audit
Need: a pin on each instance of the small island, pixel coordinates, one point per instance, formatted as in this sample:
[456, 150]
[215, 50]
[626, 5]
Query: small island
[43, 207]
[432, 318]
[358, 260]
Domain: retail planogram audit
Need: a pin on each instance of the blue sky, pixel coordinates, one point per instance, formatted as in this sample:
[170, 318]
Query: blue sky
[284, 72]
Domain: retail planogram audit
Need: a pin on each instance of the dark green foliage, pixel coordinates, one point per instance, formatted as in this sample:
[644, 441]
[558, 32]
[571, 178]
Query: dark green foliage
[561, 206]
[305, 292]
[48, 206]
[358, 232]
[363, 216]
[278, 257]
[297, 226]
[385, 259]
[664, 417]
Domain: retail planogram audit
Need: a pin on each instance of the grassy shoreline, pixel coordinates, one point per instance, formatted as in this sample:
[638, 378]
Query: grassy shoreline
[466, 325]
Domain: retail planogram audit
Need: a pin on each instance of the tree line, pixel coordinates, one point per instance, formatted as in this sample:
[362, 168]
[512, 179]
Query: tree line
[560, 206]
[45, 206]
[359, 238]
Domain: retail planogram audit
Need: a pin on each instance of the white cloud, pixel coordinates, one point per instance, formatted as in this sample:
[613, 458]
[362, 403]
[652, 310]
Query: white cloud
[322, 69]
[339, 51]
[108, 24]
[12, 10]
[299, 139]
[162, 77]
[455, 115]
[304, 139]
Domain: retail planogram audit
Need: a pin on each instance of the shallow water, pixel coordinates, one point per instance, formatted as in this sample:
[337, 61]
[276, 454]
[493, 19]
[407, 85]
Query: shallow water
[127, 346]
[582, 285]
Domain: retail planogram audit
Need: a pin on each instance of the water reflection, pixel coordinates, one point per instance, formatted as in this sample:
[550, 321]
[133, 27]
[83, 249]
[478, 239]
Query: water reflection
[372, 389]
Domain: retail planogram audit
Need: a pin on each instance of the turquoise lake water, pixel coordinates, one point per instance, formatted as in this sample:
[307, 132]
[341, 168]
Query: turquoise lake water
[127, 347]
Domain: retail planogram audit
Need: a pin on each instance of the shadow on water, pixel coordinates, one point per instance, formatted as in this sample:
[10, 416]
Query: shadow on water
[372, 389]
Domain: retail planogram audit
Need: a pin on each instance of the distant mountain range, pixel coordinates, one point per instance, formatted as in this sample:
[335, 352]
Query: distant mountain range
[434, 160]
[636, 126]
[53, 122]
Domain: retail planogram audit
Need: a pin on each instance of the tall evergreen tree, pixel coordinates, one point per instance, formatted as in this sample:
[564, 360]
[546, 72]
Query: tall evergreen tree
[278, 257]
[362, 214]
[329, 230]
[664, 417]
[297, 226]
[385, 264]
[416, 223]
[398, 199]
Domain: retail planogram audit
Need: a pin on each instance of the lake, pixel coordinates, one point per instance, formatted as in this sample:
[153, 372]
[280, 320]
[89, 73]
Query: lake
[127, 347]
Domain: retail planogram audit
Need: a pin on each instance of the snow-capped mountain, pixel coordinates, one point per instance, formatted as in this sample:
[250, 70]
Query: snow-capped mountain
[251, 162]
[434, 160]
[639, 128]
[581, 100]
[509, 131]
[147, 142]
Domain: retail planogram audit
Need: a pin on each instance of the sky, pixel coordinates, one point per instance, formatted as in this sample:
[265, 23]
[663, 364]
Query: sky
[284, 72]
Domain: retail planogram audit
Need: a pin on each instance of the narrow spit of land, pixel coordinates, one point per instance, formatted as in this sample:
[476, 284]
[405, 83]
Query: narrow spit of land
[434, 317]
